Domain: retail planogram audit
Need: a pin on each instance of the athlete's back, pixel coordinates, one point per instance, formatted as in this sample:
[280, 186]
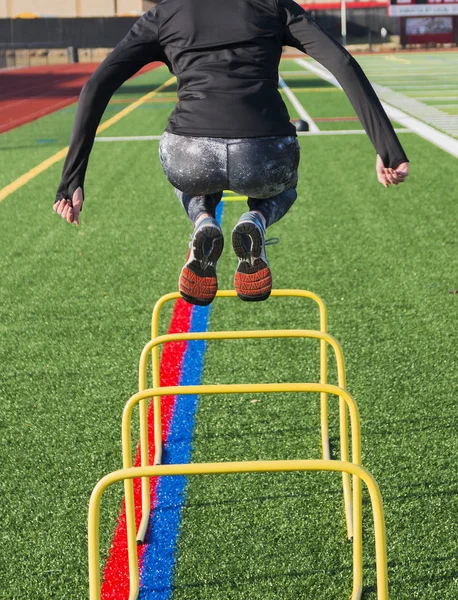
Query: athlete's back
[225, 54]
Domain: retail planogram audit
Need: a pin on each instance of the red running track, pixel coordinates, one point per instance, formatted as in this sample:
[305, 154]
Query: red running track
[31, 93]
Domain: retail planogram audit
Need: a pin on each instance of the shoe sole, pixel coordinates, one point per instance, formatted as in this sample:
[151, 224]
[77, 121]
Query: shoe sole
[253, 279]
[198, 283]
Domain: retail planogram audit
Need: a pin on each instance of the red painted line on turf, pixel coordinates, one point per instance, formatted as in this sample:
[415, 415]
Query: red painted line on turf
[115, 585]
[29, 94]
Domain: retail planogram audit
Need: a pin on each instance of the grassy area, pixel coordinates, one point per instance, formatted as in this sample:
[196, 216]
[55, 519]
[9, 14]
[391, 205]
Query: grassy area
[76, 305]
[428, 77]
[382, 259]
[75, 313]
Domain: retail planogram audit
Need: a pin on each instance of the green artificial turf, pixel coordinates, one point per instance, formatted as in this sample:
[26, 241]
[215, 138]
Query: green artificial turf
[75, 313]
[384, 262]
[76, 306]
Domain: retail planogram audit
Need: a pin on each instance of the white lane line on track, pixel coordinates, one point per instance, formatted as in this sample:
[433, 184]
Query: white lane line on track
[149, 138]
[318, 70]
[298, 106]
[442, 140]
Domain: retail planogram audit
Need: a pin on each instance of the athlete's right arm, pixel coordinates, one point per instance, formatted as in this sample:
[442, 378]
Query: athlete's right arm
[138, 48]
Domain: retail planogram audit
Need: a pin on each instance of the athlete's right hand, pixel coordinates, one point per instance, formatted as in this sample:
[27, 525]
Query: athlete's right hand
[70, 211]
[386, 176]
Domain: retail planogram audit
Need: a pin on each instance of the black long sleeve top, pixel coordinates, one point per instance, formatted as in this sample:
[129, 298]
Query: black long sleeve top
[225, 55]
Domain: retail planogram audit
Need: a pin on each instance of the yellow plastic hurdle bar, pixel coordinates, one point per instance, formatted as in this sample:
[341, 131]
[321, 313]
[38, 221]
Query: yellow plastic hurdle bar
[153, 346]
[232, 294]
[157, 401]
[244, 389]
[230, 196]
[127, 475]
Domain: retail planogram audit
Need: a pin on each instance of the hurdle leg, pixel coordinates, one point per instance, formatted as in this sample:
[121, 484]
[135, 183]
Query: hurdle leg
[146, 487]
[357, 540]
[324, 401]
[134, 578]
[344, 456]
[94, 537]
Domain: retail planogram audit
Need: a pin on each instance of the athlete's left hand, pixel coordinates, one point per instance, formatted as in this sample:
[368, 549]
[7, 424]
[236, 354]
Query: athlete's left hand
[70, 211]
[388, 176]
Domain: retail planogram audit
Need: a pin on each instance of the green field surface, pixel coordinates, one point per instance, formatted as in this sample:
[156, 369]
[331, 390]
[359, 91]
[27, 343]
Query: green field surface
[429, 78]
[75, 314]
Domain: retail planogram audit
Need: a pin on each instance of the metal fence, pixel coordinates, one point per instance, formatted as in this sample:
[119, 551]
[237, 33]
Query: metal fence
[60, 33]
[25, 42]
[31, 42]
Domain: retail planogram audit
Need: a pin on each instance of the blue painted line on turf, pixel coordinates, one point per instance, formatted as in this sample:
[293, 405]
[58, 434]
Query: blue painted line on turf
[159, 558]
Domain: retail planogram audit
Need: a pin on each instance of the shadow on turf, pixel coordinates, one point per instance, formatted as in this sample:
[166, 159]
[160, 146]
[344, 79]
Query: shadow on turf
[241, 585]
[425, 490]
[262, 499]
[393, 427]
[256, 434]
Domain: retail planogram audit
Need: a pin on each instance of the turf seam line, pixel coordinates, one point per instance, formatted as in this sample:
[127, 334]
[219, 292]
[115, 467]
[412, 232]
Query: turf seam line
[52, 160]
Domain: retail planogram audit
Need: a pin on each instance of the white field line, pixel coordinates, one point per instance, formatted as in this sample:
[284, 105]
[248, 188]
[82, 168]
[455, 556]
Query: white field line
[298, 106]
[442, 140]
[318, 70]
[434, 86]
[435, 73]
[405, 81]
[149, 138]
[430, 98]
[427, 132]
[425, 112]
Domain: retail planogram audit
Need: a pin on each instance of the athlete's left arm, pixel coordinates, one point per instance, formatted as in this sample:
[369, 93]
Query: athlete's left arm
[138, 48]
[302, 32]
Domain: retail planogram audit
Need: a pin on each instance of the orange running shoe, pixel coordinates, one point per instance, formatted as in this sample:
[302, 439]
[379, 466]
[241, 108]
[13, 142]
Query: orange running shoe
[253, 279]
[198, 283]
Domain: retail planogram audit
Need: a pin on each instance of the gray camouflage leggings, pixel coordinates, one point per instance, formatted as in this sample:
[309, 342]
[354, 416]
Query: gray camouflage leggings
[263, 168]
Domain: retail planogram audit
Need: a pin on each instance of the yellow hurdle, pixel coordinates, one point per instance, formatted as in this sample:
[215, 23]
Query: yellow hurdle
[352, 494]
[259, 388]
[232, 294]
[152, 347]
[230, 196]
[127, 475]
[157, 401]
